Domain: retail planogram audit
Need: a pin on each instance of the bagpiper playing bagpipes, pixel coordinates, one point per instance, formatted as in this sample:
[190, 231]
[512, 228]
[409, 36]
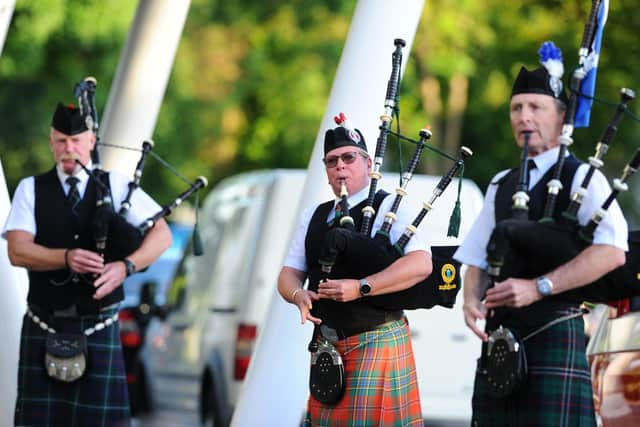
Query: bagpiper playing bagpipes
[64, 228]
[362, 254]
[535, 251]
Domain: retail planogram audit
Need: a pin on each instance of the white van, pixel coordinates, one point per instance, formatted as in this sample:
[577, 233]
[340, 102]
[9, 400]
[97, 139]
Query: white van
[189, 356]
[197, 357]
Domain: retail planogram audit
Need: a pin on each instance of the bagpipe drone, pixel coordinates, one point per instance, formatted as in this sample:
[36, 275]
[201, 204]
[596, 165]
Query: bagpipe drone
[351, 253]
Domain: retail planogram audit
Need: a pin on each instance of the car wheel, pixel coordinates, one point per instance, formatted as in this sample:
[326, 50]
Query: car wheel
[212, 415]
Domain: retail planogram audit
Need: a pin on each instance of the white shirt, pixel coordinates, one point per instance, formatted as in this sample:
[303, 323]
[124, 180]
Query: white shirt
[22, 213]
[296, 257]
[611, 231]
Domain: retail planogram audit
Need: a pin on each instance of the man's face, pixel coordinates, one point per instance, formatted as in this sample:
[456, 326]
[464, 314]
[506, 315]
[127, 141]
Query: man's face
[355, 174]
[67, 148]
[538, 114]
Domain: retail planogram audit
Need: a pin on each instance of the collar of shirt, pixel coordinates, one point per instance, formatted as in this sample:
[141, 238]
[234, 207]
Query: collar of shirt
[352, 200]
[83, 179]
[544, 162]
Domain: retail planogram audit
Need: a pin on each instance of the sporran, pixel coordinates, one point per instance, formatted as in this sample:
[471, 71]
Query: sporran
[326, 379]
[66, 356]
[505, 363]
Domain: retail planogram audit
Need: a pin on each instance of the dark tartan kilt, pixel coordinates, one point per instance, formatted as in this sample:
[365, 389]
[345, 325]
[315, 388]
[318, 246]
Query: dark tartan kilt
[381, 386]
[98, 399]
[558, 392]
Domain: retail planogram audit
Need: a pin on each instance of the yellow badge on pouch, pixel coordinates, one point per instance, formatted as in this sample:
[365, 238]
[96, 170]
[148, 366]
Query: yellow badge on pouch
[448, 273]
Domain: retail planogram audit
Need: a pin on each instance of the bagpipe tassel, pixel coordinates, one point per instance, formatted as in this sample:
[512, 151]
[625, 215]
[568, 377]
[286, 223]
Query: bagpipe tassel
[197, 240]
[454, 220]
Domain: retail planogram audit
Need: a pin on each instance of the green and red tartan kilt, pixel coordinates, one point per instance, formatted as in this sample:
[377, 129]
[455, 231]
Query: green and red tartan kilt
[381, 384]
[98, 399]
[558, 391]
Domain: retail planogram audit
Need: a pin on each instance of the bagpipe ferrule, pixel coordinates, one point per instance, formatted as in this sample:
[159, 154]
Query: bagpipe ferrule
[579, 194]
[368, 211]
[598, 215]
[619, 185]
[390, 217]
[554, 186]
[427, 206]
[375, 175]
[346, 220]
[565, 138]
[401, 191]
[386, 118]
[520, 200]
[595, 161]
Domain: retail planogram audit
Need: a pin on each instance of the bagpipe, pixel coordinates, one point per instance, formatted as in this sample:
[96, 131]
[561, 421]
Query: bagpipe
[524, 248]
[351, 253]
[115, 238]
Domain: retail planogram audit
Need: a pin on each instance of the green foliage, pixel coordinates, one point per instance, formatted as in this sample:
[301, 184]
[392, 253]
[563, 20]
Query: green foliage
[251, 78]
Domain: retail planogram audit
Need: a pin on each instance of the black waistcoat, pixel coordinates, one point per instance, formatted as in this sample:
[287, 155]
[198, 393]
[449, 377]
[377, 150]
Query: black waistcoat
[531, 317]
[352, 314]
[57, 227]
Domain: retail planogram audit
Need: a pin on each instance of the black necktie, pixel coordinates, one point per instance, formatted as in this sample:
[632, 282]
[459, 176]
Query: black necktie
[531, 164]
[338, 212]
[74, 195]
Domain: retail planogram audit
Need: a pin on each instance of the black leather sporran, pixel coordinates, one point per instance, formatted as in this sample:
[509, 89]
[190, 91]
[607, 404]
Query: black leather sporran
[326, 379]
[505, 363]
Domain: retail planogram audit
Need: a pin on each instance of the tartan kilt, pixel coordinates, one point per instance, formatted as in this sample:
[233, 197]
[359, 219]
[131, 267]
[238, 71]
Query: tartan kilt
[99, 398]
[381, 386]
[558, 391]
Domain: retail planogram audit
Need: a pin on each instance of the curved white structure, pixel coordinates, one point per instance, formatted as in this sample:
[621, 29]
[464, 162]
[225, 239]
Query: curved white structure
[13, 304]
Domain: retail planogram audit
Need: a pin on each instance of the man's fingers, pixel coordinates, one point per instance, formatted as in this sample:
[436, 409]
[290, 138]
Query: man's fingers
[471, 324]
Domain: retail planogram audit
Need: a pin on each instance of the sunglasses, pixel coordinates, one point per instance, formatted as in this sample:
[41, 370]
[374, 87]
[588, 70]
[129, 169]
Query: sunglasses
[347, 158]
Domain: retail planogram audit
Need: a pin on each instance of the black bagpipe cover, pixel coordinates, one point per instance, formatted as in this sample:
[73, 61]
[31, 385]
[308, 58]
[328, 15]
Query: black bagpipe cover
[357, 256]
[532, 249]
[621, 283]
[124, 238]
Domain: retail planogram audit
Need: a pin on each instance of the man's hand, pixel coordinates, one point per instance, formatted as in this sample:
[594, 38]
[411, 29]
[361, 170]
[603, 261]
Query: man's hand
[304, 300]
[343, 290]
[474, 310]
[84, 261]
[512, 293]
[112, 276]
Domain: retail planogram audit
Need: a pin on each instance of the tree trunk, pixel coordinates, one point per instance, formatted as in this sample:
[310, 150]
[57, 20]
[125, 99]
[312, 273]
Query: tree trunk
[458, 90]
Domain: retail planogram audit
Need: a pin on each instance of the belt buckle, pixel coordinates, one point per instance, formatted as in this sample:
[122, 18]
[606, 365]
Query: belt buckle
[71, 311]
[329, 334]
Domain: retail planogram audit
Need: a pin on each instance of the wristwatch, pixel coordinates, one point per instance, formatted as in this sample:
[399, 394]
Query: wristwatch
[129, 266]
[544, 285]
[365, 287]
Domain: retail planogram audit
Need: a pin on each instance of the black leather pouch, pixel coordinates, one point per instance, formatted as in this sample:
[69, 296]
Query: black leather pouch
[326, 379]
[505, 363]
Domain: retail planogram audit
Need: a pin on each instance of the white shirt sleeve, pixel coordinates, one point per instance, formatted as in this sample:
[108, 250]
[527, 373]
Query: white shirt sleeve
[407, 211]
[142, 205]
[296, 256]
[22, 213]
[613, 229]
[473, 250]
